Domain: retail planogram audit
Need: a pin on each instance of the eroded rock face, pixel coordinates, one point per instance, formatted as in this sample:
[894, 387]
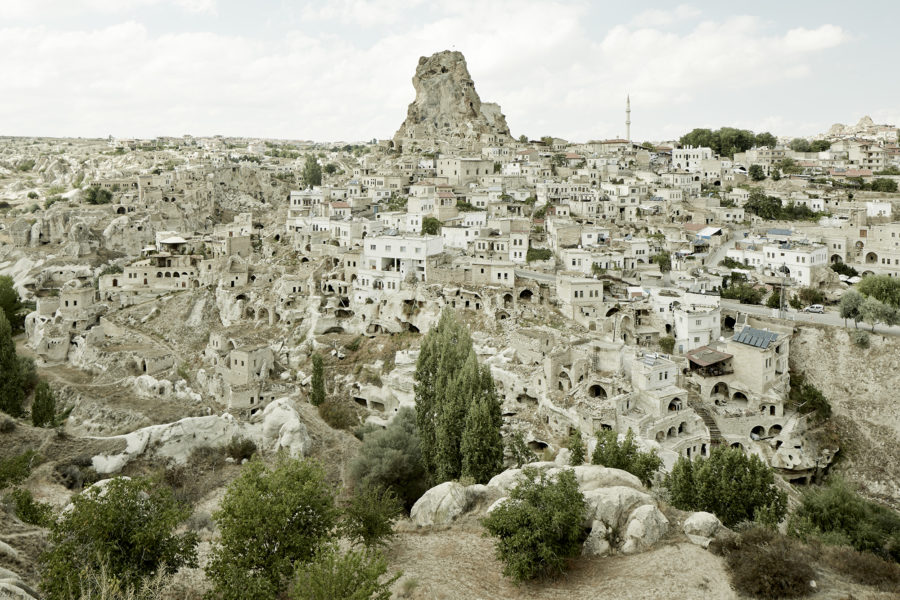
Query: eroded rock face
[646, 526]
[447, 104]
[440, 505]
[702, 527]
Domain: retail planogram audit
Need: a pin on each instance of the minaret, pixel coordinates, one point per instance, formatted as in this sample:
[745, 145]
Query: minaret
[628, 117]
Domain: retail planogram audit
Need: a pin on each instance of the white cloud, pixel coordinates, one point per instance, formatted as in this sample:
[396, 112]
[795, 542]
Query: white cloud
[548, 70]
[662, 18]
[27, 10]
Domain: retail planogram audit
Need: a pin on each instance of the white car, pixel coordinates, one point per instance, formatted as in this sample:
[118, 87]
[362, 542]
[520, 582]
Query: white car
[815, 308]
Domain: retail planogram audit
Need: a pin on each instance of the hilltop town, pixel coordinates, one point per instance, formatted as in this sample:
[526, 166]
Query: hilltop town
[175, 290]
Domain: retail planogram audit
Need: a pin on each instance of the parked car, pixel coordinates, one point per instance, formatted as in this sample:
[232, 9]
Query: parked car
[814, 308]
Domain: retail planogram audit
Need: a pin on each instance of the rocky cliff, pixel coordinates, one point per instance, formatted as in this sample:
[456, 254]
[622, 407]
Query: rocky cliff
[447, 107]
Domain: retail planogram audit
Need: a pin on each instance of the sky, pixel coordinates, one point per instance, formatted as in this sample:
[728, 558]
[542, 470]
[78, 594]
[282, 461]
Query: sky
[341, 69]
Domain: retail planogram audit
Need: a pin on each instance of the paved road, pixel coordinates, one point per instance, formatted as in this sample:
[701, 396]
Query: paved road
[545, 277]
[828, 318]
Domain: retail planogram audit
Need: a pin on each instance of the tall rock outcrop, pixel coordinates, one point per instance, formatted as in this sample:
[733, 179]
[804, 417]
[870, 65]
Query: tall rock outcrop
[447, 108]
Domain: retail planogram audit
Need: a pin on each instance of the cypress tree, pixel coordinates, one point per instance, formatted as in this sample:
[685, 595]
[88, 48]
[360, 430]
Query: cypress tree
[317, 393]
[482, 444]
[11, 394]
[43, 408]
[451, 419]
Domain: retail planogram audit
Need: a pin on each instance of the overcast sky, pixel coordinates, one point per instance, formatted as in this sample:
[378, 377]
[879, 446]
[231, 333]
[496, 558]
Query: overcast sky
[341, 69]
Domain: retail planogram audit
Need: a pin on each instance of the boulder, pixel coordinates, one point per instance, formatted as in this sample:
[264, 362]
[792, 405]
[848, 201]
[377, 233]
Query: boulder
[14, 589]
[612, 505]
[597, 542]
[591, 477]
[702, 527]
[646, 526]
[8, 551]
[440, 505]
[282, 428]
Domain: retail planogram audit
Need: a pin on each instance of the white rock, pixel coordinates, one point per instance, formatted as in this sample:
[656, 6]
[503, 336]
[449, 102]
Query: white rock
[591, 477]
[612, 505]
[8, 551]
[497, 504]
[702, 524]
[563, 457]
[12, 589]
[646, 526]
[282, 428]
[597, 542]
[440, 505]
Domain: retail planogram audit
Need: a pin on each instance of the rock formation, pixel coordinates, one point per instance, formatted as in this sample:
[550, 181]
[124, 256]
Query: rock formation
[447, 107]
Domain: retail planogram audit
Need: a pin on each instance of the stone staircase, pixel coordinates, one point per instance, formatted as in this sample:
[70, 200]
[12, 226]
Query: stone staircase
[715, 436]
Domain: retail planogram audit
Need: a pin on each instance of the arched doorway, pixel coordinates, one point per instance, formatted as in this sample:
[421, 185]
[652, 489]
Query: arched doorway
[596, 391]
[871, 258]
[757, 432]
[774, 430]
[526, 295]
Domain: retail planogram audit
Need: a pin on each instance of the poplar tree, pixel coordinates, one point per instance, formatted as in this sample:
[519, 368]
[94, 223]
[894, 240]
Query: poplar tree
[11, 394]
[482, 444]
[450, 386]
[576, 448]
[317, 393]
[43, 408]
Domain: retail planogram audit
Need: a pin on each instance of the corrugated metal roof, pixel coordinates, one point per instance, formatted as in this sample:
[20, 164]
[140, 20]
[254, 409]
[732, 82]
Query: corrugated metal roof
[755, 337]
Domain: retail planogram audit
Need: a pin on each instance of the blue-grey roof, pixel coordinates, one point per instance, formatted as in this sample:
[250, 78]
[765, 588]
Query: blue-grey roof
[755, 337]
[779, 232]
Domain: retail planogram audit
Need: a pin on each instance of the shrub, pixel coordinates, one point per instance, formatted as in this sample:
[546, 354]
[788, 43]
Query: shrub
[128, 525]
[576, 448]
[351, 575]
[317, 391]
[864, 567]
[15, 470]
[765, 564]
[369, 516]
[729, 484]
[258, 552]
[860, 338]
[844, 269]
[353, 346]
[667, 344]
[625, 455]
[28, 509]
[836, 514]
[96, 195]
[519, 450]
[43, 408]
[338, 414]
[745, 293]
[240, 448]
[391, 459]
[808, 399]
[540, 527]
[534, 254]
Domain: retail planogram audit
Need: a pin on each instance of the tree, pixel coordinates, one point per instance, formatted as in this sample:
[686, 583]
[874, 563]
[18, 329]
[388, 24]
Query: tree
[874, 311]
[756, 173]
[523, 138]
[43, 408]
[11, 394]
[94, 194]
[540, 527]
[391, 458]
[576, 449]
[744, 292]
[351, 575]
[271, 520]
[317, 385]
[370, 514]
[449, 385]
[547, 140]
[482, 443]
[664, 260]
[884, 185]
[799, 145]
[727, 483]
[850, 304]
[765, 139]
[128, 526]
[519, 450]
[625, 455]
[9, 300]
[312, 172]
[431, 226]
[810, 295]
[774, 299]
[667, 344]
[881, 287]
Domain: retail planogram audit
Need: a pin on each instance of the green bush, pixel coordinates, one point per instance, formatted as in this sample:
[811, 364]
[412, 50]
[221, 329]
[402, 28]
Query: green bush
[744, 292]
[391, 458]
[835, 514]
[15, 470]
[625, 455]
[28, 509]
[339, 414]
[734, 487]
[129, 525]
[577, 449]
[43, 407]
[534, 254]
[844, 269]
[540, 527]
[860, 338]
[351, 575]
[667, 344]
[369, 516]
[864, 567]
[240, 448]
[765, 564]
[271, 520]
[96, 195]
[519, 450]
[807, 399]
